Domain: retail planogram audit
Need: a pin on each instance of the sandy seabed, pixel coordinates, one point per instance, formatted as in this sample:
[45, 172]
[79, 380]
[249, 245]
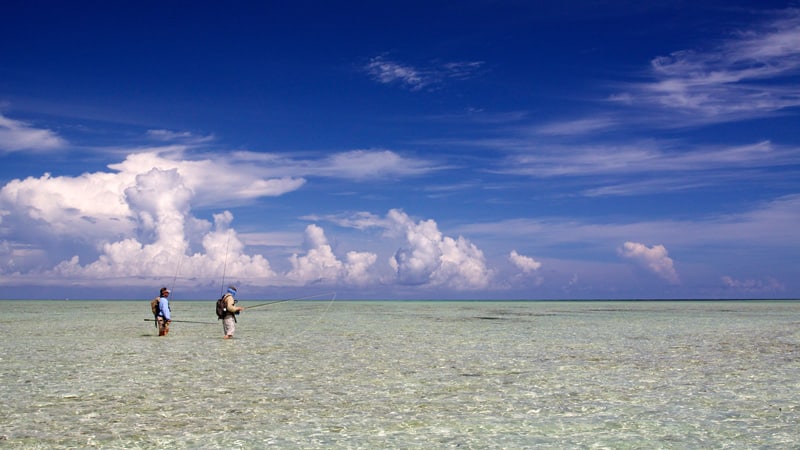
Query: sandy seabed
[366, 375]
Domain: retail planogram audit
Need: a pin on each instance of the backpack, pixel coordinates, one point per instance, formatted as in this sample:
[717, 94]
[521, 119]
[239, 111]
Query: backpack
[154, 306]
[221, 308]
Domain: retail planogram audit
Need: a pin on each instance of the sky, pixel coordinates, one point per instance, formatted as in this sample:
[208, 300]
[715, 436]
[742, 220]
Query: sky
[480, 149]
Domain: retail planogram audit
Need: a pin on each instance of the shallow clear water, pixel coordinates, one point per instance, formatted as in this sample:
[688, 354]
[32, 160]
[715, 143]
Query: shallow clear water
[403, 375]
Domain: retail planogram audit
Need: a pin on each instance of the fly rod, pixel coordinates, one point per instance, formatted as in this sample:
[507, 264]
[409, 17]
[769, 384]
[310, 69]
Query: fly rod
[289, 300]
[225, 264]
[174, 280]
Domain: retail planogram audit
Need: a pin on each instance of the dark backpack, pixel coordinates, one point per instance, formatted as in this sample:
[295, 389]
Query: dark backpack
[221, 309]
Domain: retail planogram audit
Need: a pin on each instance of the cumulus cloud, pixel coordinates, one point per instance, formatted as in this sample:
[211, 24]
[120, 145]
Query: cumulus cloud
[104, 204]
[87, 205]
[654, 259]
[524, 263]
[161, 204]
[320, 264]
[357, 265]
[213, 179]
[434, 259]
[137, 219]
[134, 222]
[16, 135]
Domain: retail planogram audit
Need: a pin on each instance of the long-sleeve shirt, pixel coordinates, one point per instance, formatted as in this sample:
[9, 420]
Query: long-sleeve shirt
[163, 308]
[230, 304]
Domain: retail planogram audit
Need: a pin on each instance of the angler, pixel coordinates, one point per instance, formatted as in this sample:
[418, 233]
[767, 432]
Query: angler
[227, 311]
[162, 312]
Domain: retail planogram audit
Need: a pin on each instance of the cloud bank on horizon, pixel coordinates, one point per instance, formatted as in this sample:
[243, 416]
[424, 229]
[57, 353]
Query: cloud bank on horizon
[630, 198]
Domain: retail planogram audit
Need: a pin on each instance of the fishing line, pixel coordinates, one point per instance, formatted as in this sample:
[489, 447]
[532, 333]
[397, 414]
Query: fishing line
[225, 264]
[321, 316]
[183, 321]
[308, 326]
[292, 299]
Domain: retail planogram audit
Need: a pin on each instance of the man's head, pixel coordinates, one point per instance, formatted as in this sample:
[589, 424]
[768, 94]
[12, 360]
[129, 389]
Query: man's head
[164, 292]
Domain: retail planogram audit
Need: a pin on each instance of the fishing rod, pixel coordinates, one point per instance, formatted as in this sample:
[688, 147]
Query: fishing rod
[174, 280]
[290, 299]
[183, 321]
[177, 271]
[225, 264]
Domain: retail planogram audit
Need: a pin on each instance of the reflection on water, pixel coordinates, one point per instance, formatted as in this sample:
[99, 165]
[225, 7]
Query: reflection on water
[403, 375]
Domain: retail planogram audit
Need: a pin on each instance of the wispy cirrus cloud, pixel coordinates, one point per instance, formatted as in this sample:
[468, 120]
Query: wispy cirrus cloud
[370, 164]
[770, 224]
[751, 74]
[185, 137]
[386, 71]
[578, 126]
[646, 157]
[16, 135]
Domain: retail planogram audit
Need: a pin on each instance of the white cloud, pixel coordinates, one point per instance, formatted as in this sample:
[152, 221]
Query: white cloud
[753, 286]
[86, 205]
[655, 259]
[767, 227]
[104, 204]
[161, 203]
[524, 263]
[16, 135]
[352, 165]
[138, 219]
[434, 259]
[185, 137]
[213, 179]
[135, 223]
[369, 164]
[360, 220]
[579, 126]
[647, 157]
[357, 265]
[319, 264]
[386, 71]
[652, 166]
[741, 77]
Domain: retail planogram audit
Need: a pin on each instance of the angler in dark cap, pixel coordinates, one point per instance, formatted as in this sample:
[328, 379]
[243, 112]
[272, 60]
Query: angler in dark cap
[163, 318]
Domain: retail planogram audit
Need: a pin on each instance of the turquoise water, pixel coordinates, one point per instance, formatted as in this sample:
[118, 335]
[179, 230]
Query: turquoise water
[403, 375]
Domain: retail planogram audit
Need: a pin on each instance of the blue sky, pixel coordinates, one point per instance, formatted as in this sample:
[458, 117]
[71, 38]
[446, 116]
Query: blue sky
[400, 150]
